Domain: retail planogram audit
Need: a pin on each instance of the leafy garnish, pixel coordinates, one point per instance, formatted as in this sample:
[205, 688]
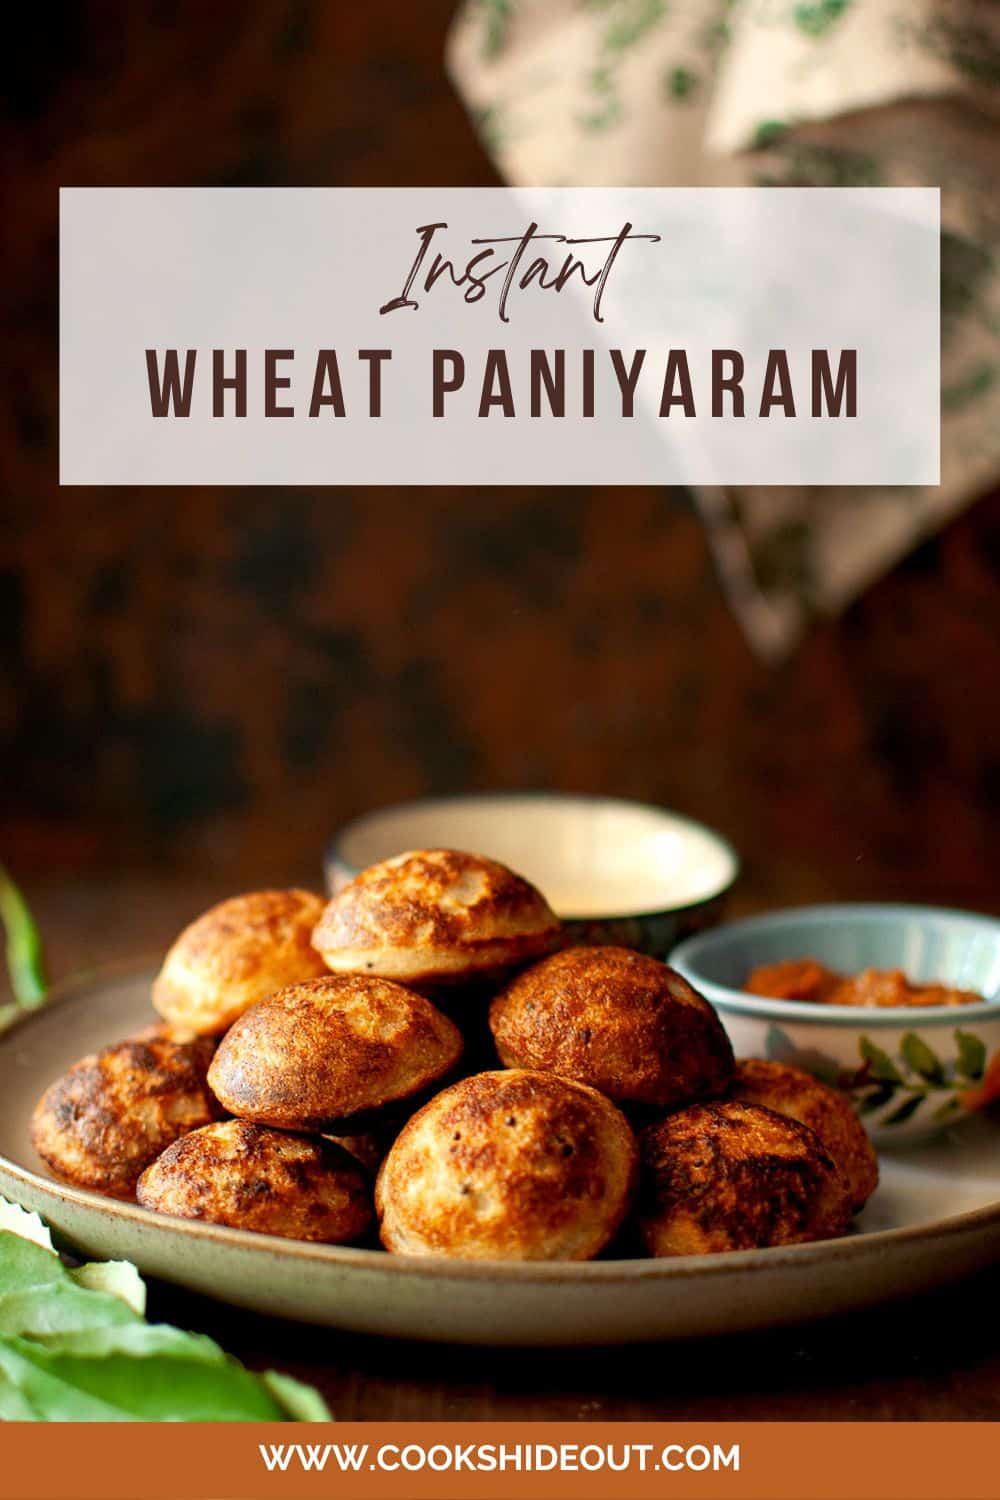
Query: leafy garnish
[75, 1347]
[25, 958]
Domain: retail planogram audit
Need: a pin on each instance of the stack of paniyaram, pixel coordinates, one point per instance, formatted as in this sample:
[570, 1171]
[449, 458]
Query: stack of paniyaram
[318, 1064]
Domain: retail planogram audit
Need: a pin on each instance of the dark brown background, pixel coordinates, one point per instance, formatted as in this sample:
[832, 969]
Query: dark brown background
[196, 685]
[208, 680]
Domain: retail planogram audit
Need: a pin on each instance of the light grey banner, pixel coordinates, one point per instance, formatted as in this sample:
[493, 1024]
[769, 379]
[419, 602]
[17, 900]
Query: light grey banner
[499, 336]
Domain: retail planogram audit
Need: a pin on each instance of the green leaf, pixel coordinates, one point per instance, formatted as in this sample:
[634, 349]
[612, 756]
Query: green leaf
[819, 16]
[880, 1062]
[119, 1278]
[918, 1056]
[301, 1403]
[971, 1060]
[75, 1347]
[26, 1225]
[38, 1296]
[139, 1372]
[25, 960]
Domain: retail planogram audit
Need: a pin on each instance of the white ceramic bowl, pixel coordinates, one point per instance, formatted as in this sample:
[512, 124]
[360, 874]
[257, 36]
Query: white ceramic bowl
[909, 1071]
[614, 871]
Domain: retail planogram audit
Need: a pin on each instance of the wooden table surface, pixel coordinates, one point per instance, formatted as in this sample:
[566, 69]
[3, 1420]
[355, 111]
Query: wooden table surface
[934, 1357]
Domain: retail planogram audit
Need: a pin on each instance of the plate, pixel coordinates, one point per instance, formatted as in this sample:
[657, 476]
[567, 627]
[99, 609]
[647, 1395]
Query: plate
[936, 1216]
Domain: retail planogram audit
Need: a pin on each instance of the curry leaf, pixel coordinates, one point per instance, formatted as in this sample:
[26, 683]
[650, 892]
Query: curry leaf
[25, 959]
[118, 1277]
[74, 1346]
[27, 1226]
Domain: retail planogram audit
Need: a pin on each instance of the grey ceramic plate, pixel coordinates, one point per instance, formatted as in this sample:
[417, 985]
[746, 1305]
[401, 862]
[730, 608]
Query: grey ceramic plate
[935, 1217]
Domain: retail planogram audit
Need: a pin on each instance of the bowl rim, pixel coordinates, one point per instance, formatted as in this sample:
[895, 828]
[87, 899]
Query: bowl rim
[684, 958]
[333, 854]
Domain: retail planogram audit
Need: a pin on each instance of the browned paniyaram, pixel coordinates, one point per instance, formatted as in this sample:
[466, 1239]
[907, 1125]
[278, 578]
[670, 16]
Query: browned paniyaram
[102, 1123]
[315, 1055]
[270, 1181]
[734, 1176]
[435, 916]
[618, 1020]
[509, 1166]
[790, 1091]
[237, 953]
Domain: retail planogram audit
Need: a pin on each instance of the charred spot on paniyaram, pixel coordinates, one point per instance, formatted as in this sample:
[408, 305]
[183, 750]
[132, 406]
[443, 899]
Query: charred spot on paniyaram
[102, 1123]
[508, 1165]
[318, 1054]
[269, 1181]
[620, 1021]
[733, 1176]
[435, 916]
[235, 954]
[789, 1091]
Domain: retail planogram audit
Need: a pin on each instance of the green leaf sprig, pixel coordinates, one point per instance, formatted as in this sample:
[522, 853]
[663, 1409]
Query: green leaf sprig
[76, 1347]
[25, 956]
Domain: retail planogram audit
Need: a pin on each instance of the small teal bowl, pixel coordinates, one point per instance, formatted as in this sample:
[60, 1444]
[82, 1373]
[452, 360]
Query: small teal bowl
[910, 1071]
[614, 871]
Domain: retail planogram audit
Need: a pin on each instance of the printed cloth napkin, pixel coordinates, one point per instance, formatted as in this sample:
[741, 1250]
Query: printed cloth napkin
[772, 92]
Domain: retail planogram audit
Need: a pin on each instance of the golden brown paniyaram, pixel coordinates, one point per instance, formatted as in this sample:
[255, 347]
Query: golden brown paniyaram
[734, 1176]
[316, 1054]
[790, 1091]
[435, 916]
[618, 1020]
[237, 953]
[509, 1166]
[102, 1123]
[251, 1177]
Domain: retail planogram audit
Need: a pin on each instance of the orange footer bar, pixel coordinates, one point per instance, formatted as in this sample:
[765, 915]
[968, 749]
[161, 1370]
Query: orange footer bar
[502, 1461]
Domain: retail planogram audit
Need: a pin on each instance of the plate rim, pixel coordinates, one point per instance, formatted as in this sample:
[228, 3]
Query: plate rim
[603, 1272]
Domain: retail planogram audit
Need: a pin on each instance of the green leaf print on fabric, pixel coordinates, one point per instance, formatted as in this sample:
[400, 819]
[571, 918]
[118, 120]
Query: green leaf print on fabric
[815, 93]
[627, 23]
[490, 126]
[966, 268]
[802, 165]
[817, 18]
[496, 17]
[768, 132]
[630, 21]
[970, 386]
[970, 46]
[680, 83]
